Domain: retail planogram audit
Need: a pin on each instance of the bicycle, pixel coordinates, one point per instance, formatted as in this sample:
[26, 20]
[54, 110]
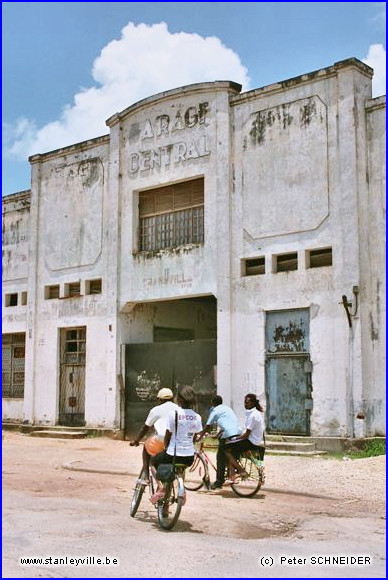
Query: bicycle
[169, 506]
[250, 484]
[198, 474]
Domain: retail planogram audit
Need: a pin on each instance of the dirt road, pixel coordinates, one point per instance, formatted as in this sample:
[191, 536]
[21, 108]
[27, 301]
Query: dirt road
[70, 498]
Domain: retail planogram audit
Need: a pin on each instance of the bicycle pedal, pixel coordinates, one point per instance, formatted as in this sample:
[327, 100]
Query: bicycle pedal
[206, 482]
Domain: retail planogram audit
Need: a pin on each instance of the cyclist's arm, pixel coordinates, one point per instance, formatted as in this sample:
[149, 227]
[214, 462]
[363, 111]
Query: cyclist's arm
[167, 438]
[202, 433]
[140, 435]
[244, 435]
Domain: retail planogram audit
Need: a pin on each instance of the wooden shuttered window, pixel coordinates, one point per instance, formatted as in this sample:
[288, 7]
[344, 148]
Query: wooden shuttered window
[172, 216]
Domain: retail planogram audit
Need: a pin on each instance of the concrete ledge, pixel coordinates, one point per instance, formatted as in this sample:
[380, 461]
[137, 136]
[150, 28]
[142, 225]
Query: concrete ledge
[90, 431]
[330, 444]
[59, 434]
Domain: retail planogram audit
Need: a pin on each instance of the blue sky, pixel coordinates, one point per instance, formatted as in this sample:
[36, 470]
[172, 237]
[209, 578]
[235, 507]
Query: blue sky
[68, 66]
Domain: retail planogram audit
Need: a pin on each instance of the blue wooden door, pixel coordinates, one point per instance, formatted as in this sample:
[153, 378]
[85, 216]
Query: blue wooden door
[288, 372]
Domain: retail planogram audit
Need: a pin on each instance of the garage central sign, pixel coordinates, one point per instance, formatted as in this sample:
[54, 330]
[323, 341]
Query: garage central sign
[164, 127]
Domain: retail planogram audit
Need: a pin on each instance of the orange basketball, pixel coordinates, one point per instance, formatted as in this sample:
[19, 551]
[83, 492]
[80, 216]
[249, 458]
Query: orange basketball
[153, 445]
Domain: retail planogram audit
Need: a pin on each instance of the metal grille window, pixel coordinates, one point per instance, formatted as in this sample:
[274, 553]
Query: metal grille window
[172, 216]
[13, 360]
[75, 346]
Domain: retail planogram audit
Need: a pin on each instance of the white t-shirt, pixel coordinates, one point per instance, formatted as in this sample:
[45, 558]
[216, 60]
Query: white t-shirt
[255, 422]
[189, 423]
[158, 417]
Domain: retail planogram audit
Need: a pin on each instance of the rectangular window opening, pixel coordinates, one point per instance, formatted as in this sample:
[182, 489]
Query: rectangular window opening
[286, 262]
[24, 298]
[319, 258]
[172, 216]
[253, 266]
[94, 286]
[51, 292]
[73, 289]
[11, 299]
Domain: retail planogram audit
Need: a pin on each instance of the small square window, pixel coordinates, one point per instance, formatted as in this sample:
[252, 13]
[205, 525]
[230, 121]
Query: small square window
[253, 266]
[51, 292]
[94, 286]
[286, 262]
[73, 289]
[319, 258]
[11, 299]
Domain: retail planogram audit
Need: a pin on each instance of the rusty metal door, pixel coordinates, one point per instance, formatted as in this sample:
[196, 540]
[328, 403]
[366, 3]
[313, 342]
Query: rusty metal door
[150, 367]
[288, 372]
[72, 377]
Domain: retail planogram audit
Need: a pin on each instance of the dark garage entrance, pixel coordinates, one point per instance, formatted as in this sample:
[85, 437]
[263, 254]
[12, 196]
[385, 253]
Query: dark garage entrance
[150, 367]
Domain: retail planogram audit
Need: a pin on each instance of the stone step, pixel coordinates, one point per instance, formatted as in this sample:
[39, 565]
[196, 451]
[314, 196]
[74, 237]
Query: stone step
[299, 452]
[290, 446]
[53, 433]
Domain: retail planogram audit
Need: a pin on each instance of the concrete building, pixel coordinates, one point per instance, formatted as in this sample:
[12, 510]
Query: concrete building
[235, 242]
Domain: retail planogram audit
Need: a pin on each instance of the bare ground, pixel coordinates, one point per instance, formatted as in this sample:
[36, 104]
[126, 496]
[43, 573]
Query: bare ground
[308, 506]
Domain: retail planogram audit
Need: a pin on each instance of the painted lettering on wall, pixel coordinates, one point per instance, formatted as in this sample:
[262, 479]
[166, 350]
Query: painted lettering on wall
[164, 127]
[167, 155]
[182, 280]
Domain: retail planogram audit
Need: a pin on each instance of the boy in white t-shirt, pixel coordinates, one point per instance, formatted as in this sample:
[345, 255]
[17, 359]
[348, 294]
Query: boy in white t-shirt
[182, 426]
[157, 417]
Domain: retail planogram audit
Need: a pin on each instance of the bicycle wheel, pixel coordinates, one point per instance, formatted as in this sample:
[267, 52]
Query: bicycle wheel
[249, 486]
[196, 473]
[137, 495]
[169, 507]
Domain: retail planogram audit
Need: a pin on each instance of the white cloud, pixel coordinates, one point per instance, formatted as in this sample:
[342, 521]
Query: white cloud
[146, 60]
[376, 58]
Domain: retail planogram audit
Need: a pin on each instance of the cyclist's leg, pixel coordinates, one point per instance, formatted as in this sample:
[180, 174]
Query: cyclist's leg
[144, 479]
[157, 460]
[233, 452]
[221, 463]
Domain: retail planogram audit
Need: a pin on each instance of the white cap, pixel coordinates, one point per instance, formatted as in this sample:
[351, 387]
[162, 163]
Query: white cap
[165, 394]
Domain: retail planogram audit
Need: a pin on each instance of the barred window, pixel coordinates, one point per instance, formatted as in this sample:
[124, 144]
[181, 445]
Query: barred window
[75, 345]
[13, 358]
[172, 216]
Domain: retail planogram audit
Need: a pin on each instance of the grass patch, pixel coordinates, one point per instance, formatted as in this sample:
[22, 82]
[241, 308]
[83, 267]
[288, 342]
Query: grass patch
[371, 448]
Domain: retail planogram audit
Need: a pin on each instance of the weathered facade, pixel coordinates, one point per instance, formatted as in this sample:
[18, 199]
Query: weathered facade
[231, 241]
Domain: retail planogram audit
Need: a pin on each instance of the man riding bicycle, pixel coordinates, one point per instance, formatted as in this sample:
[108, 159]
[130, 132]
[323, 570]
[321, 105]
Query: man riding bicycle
[157, 417]
[227, 422]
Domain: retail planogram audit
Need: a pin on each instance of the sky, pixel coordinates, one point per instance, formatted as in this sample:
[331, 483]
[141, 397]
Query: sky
[69, 66]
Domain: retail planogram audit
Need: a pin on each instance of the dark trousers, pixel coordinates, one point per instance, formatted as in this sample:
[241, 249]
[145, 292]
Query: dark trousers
[221, 462]
[163, 457]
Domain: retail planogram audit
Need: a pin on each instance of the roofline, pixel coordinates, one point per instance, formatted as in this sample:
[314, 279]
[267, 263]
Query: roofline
[230, 86]
[16, 195]
[82, 145]
[319, 74]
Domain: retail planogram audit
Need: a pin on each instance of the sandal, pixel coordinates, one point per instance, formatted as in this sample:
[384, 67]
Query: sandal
[156, 497]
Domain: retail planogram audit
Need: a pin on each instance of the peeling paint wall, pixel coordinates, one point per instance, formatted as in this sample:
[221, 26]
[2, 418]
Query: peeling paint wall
[288, 169]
